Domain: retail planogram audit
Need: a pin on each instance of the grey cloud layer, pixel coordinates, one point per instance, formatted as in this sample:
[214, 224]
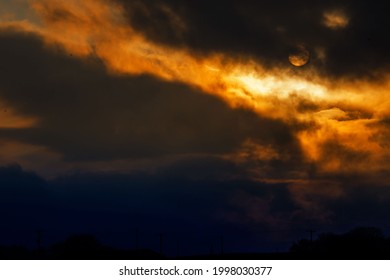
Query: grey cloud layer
[86, 114]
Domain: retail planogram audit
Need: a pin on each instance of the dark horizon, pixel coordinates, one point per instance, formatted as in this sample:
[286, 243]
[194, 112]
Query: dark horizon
[65, 206]
[362, 243]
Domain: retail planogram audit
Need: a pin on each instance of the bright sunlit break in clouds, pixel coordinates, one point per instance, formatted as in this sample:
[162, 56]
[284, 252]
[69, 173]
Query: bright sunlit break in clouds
[293, 95]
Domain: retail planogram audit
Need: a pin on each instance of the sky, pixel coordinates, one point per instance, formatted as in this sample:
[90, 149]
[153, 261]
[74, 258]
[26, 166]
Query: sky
[255, 120]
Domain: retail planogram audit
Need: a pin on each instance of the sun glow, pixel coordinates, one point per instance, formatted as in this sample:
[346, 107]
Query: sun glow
[282, 87]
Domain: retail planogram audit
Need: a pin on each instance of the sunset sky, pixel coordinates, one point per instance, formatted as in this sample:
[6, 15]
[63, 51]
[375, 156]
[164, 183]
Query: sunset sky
[258, 120]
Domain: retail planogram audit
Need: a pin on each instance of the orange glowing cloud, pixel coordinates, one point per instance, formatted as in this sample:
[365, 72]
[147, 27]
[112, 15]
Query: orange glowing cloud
[96, 27]
[11, 119]
[335, 19]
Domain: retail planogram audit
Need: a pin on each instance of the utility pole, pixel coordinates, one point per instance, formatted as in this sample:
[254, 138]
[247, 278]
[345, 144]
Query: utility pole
[178, 249]
[222, 245]
[39, 240]
[161, 243]
[137, 239]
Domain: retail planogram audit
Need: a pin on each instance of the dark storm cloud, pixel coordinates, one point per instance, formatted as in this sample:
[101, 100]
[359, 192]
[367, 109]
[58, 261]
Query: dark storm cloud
[111, 205]
[86, 114]
[24, 199]
[269, 30]
[333, 151]
[15, 182]
[365, 202]
[115, 204]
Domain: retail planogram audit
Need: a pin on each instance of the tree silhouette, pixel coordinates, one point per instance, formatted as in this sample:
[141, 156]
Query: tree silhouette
[360, 243]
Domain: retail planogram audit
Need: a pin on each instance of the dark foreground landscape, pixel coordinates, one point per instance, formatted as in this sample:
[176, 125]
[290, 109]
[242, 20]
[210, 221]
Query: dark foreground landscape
[365, 243]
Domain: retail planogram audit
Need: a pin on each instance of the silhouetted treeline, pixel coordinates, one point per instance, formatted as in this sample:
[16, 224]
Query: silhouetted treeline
[77, 247]
[360, 243]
